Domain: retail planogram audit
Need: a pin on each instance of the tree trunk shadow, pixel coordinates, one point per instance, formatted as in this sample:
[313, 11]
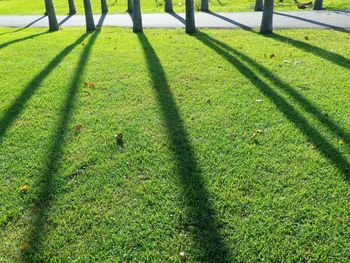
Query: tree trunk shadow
[47, 183]
[234, 57]
[201, 221]
[18, 104]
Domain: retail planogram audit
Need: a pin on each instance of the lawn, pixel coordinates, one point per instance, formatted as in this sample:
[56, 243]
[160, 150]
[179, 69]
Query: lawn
[150, 6]
[235, 147]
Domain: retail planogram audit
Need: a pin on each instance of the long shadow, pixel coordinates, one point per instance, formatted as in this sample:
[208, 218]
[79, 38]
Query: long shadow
[342, 12]
[101, 21]
[330, 56]
[47, 183]
[20, 29]
[337, 28]
[201, 216]
[320, 52]
[11, 114]
[229, 20]
[178, 17]
[313, 136]
[3, 45]
[307, 105]
[64, 20]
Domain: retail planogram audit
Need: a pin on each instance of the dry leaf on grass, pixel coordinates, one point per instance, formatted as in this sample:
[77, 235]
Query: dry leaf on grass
[78, 127]
[24, 187]
[25, 246]
[182, 256]
[255, 133]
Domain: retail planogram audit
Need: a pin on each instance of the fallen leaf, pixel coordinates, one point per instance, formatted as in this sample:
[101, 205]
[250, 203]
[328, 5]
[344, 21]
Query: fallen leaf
[24, 187]
[255, 133]
[25, 246]
[92, 84]
[182, 256]
[78, 127]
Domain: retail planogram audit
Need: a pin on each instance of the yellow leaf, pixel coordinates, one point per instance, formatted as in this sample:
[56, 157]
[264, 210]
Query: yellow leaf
[182, 256]
[24, 187]
[25, 246]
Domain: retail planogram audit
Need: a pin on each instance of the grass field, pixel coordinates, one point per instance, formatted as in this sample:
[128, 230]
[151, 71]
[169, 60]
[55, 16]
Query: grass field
[150, 6]
[235, 146]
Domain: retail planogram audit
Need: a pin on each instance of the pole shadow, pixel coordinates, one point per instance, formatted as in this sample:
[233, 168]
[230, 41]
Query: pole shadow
[313, 136]
[200, 221]
[337, 28]
[101, 21]
[303, 102]
[29, 25]
[47, 183]
[320, 52]
[242, 26]
[11, 114]
[3, 45]
[330, 56]
[178, 17]
[64, 20]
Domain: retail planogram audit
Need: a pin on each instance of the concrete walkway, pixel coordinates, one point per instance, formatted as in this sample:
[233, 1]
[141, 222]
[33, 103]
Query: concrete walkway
[247, 20]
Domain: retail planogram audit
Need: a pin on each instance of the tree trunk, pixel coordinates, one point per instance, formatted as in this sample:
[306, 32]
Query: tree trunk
[50, 9]
[45, 14]
[89, 18]
[266, 22]
[72, 10]
[168, 6]
[205, 5]
[136, 17]
[190, 23]
[259, 5]
[318, 5]
[130, 6]
[104, 6]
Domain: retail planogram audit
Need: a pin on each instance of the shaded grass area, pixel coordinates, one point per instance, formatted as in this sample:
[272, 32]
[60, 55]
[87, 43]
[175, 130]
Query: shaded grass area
[151, 6]
[188, 175]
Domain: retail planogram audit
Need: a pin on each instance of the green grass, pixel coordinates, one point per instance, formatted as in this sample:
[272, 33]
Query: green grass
[150, 6]
[188, 176]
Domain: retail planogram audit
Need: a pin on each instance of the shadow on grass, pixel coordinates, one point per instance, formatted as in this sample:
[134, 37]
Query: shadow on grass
[3, 45]
[47, 182]
[317, 51]
[307, 105]
[201, 215]
[11, 114]
[235, 57]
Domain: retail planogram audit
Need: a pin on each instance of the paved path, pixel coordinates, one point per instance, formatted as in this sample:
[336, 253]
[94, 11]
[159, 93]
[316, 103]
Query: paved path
[246, 20]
